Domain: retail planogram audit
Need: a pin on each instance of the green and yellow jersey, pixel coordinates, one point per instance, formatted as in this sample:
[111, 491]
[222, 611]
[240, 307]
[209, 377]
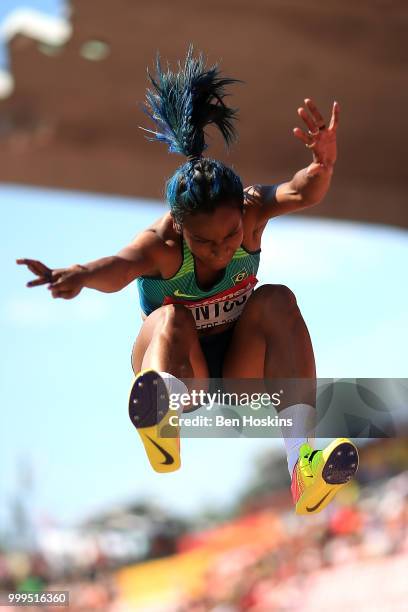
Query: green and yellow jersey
[223, 303]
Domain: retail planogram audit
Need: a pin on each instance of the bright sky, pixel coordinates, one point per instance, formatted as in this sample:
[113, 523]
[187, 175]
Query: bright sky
[66, 372]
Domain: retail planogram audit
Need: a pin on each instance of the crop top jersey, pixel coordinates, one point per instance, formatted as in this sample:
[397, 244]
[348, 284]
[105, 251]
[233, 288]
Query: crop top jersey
[222, 303]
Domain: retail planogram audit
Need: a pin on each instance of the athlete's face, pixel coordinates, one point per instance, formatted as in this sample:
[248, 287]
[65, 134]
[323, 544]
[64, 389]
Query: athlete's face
[214, 238]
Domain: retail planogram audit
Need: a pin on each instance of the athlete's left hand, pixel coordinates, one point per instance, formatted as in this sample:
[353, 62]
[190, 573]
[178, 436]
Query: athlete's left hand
[321, 140]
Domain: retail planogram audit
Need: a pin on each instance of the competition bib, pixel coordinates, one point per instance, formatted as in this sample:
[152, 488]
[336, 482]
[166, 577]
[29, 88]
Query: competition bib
[220, 308]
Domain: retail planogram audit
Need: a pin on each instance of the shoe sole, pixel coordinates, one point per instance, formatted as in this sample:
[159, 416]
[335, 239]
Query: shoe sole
[339, 464]
[149, 413]
[148, 399]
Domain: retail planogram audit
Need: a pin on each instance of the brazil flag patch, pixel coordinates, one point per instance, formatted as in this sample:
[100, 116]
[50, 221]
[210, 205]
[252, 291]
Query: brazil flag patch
[239, 277]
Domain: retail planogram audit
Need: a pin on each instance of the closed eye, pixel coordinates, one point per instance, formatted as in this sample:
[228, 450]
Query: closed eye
[204, 241]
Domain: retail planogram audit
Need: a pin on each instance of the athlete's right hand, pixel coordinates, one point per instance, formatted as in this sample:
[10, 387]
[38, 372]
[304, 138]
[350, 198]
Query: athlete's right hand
[63, 282]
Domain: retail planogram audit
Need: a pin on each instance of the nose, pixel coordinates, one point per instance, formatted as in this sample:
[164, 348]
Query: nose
[220, 253]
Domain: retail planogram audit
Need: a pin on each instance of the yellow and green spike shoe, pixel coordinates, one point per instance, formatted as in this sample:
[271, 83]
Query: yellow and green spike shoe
[150, 413]
[319, 474]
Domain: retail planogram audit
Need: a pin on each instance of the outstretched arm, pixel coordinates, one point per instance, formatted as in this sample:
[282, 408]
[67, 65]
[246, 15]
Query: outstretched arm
[108, 274]
[308, 186]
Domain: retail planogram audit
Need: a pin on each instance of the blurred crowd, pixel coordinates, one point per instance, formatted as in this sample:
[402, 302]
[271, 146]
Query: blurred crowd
[344, 550]
[362, 540]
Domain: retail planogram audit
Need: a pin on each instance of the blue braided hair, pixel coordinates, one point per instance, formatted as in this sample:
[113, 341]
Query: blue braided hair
[182, 104]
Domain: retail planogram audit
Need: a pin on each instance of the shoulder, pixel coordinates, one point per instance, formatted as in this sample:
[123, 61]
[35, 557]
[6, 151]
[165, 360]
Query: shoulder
[268, 201]
[257, 197]
[255, 205]
[159, 244]
[163, 230]
[259, 200]
[158, 236]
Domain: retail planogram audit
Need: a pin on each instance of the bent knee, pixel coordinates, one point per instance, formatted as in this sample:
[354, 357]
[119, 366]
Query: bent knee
[277, 298]
[174, 316]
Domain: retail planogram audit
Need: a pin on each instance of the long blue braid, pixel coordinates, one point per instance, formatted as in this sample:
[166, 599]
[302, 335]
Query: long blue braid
[182, 104]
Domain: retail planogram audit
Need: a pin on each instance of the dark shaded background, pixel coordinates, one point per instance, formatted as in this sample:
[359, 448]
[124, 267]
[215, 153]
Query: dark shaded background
[73, 123]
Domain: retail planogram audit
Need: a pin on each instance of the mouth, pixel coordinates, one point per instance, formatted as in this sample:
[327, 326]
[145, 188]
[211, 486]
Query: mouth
[221, 262]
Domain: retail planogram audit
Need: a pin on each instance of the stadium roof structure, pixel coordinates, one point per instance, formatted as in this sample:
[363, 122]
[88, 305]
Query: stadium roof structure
[70, 119]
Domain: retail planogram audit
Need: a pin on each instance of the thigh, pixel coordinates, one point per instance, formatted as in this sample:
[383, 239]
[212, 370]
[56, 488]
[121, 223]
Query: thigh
[245, 357]
[167, 318]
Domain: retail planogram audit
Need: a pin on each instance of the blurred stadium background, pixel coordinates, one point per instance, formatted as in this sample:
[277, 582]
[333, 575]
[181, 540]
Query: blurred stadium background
[80, 509]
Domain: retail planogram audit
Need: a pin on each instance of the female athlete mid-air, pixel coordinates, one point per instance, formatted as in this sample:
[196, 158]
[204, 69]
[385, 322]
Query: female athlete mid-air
[196, 272]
